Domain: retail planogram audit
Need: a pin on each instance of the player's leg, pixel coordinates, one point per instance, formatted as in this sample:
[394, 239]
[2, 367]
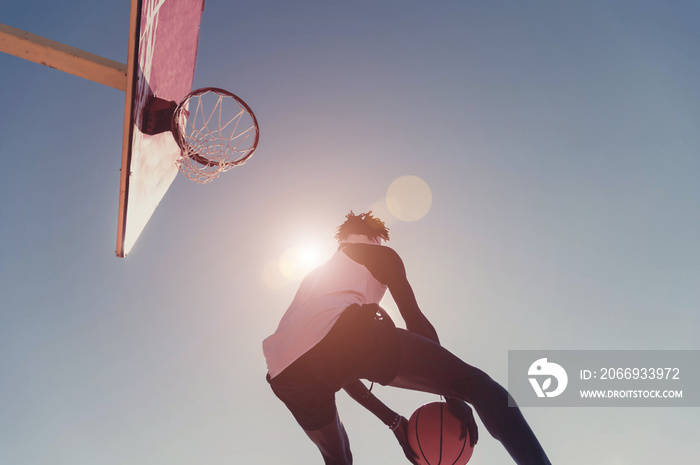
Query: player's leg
[313, 406]
[429, 367]
[332, 441]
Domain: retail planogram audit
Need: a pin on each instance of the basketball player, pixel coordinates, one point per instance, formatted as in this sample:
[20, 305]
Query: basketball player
[334, 333]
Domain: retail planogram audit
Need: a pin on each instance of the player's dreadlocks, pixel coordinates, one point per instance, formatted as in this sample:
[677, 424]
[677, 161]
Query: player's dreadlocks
[364, 223]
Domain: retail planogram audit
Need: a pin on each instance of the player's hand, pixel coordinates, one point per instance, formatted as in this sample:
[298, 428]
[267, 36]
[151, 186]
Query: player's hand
[464, 412]
[401, 434]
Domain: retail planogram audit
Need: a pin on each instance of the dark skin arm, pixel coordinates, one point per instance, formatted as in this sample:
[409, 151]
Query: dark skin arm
[358, 391]
[402, 293]
[387, 267]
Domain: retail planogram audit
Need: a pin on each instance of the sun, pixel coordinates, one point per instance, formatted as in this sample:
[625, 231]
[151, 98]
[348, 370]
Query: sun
[309, 257]
[297, 262]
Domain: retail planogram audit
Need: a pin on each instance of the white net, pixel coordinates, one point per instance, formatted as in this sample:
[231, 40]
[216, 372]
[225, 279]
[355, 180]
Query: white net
[216, 131]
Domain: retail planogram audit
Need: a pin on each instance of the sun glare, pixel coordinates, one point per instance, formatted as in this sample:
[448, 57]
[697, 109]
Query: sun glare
[296, 262]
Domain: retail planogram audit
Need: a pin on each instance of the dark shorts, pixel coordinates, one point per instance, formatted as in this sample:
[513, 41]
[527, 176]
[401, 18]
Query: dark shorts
[361, 345]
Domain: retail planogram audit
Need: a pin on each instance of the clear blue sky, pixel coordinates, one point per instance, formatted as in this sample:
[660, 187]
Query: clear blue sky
[560, 142]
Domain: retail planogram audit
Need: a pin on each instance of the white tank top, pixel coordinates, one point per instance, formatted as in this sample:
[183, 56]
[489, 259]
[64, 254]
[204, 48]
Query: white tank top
[322, 296]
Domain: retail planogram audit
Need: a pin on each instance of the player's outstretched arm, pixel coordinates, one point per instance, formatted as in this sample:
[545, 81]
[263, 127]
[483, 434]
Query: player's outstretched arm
[387, 267]
[402, 293]
[358, 391]
[398, 424]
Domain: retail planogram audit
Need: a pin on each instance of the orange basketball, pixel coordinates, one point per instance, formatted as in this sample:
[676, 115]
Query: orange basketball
[433, 434]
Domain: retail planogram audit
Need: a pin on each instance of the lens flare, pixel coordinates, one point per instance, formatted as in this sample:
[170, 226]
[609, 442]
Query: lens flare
[409, 198]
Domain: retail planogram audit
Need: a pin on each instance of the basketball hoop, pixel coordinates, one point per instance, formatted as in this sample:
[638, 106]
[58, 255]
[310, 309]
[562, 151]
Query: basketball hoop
[214, 128]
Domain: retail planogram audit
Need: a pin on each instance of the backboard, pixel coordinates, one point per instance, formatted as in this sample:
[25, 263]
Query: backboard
[163, 39]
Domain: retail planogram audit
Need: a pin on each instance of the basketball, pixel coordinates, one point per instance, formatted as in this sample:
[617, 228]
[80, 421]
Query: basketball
[433, 434]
